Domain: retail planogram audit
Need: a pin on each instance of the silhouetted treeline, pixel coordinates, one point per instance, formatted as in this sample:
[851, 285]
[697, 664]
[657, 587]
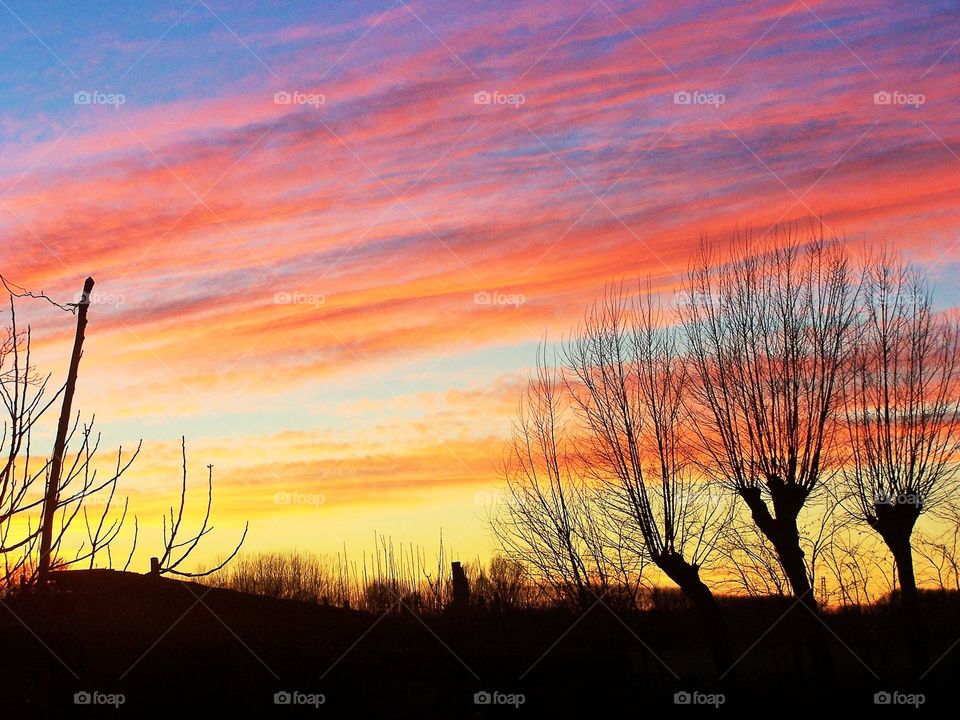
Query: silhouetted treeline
[751, 430]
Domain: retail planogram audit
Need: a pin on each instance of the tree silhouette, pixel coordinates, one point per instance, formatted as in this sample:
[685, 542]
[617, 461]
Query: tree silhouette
[902, 417]
[176, 550]
[631, 382]
[35, 521]
[546, 518]
[26, 401]
[769, 336]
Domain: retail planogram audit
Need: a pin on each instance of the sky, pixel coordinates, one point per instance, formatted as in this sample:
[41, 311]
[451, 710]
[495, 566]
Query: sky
[327, 237]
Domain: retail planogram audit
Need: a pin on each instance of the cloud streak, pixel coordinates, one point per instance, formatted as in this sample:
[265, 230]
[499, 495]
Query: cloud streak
[386, 208]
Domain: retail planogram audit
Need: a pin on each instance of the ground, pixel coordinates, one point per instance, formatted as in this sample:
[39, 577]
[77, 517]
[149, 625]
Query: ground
[162, 646]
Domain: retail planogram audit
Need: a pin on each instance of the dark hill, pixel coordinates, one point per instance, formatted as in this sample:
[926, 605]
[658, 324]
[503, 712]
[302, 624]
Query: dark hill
[167, 645]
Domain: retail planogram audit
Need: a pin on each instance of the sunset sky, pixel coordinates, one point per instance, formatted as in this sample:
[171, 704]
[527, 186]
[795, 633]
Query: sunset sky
[327, 237]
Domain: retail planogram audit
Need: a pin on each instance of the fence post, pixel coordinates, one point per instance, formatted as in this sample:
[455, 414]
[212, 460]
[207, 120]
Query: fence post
[461, 587]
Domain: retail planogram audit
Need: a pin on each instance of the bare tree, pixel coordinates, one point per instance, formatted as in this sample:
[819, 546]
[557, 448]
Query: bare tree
[768, 336]
[629, 379]
[25, 402]
[544, 518]
[82, 493]
[750, 565]
[502, 585]
[176, 550]
[854, 569]
[939, 546]
[941, 555]
[23, 500]
[40, 501]
[902, 416]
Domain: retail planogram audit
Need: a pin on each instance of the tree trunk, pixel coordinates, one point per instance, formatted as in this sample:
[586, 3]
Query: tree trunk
[783, 534]
[687, 578]
[912, 619]
[894, 523]
[52, 496]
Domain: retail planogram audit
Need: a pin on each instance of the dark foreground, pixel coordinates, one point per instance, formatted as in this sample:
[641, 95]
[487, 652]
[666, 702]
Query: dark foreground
[112, 644]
